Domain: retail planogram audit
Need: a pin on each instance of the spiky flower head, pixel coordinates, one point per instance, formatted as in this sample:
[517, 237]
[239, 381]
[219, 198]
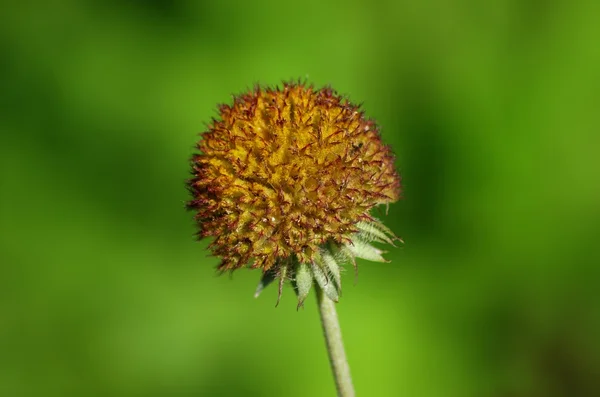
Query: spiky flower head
[284, 181]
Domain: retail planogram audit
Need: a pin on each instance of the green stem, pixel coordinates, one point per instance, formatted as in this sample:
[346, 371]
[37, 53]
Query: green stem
[335, 346]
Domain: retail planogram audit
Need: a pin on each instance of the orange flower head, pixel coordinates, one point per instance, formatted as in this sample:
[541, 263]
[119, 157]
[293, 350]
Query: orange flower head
[282, 172]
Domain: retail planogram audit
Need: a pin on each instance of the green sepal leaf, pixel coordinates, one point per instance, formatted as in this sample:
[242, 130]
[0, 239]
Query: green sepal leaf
[343, 256]
[282, 277]
[267, 278]
[362, 249]
[326, 283]
[302, 282]
[375, 231]
[332, 267]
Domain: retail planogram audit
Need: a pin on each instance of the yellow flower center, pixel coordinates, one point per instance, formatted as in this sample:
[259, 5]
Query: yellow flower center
[283, 171]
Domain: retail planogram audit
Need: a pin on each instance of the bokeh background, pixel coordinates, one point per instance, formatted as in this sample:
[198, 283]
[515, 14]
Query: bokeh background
[491, 107]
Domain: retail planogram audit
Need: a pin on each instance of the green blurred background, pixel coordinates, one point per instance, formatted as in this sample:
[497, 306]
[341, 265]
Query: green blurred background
[491, 107]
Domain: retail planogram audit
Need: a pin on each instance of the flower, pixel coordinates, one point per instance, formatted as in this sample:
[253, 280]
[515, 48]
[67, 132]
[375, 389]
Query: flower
[284, 181]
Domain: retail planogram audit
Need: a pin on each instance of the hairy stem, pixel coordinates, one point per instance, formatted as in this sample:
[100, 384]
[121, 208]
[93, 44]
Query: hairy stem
[335, 346]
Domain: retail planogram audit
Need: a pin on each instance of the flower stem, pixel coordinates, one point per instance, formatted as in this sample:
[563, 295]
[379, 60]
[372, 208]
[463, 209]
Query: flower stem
[335, 346]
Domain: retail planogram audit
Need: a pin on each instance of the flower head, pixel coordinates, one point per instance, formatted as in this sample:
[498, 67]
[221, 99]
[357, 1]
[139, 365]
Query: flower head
[286, 176]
